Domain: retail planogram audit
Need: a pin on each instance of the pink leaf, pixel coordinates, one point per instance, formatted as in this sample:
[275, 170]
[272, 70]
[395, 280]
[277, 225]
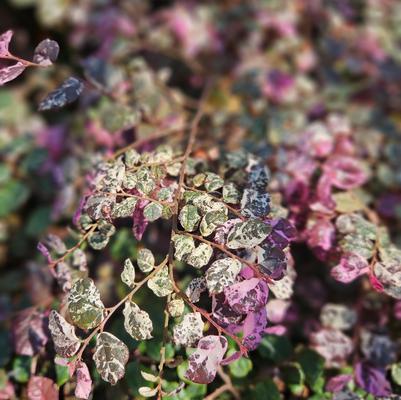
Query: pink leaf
[29, 332]
[5, 39]
[246, 296]
[204, 361]
[350, 267]
[84, 381]
[254, 327]
[42, 388]
[9, 73]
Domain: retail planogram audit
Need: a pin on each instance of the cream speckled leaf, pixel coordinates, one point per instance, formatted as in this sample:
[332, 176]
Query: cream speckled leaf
[145, 260]
[84, 304]
[211, 221]
[195, 288]
[176, 307]
[200, 256]
[65, 341]
[153, 211]
[161, 284]
[213, 182]
[189, 217]
[137, 322]
[189, 330]
[128, 274]
[231, 193]
[110, 357]
[184, 246]
[222, 273]
[247, 234]
[125, 208]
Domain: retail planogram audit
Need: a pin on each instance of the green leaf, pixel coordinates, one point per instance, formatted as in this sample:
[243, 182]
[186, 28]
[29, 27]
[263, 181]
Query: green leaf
[84, 304]
[125, 208]
[313, 366]
[240, 368]
[231, 193]
[213, 182]
[294, 377]
[265, 391]
[21, 368]
[189, 217]
[275, 348]
[12, 195]
[62, 374]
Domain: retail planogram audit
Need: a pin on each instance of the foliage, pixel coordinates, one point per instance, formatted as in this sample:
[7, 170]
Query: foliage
[200, 199]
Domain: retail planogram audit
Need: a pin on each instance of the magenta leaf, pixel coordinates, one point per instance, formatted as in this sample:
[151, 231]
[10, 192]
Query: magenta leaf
[372, 380]
[254, 327]
[42, 388]
[246, 296]
[84, 381]
[350, 267]
[139, 221]
[5, 39]
[9, 73]
[204, 361]
[337, 383]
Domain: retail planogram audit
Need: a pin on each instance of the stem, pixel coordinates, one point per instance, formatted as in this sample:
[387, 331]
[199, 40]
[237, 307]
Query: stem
[222, 248]
[112, 310]
[69, 251]
[157, 135]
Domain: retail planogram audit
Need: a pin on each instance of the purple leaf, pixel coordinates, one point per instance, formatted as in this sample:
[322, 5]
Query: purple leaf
[7, 74]
[139, 221]
[45, 252]
[372, 380]
[282, 233]
[42, 388]
[337, 383]
[203, 363]
[46, 52]
[345, 172]
[246, 296]
[254, 327]
[84, 381]
[30, 332]
[68, 92]
[5, 39]
[350, 267]
[234, 357]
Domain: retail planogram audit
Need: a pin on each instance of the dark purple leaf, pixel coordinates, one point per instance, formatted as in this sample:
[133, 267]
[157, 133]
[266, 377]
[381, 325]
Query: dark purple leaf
[372, 380]
[30, 332]
[272, 260]
[68, 92]
[46, 52]
[203, 363]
